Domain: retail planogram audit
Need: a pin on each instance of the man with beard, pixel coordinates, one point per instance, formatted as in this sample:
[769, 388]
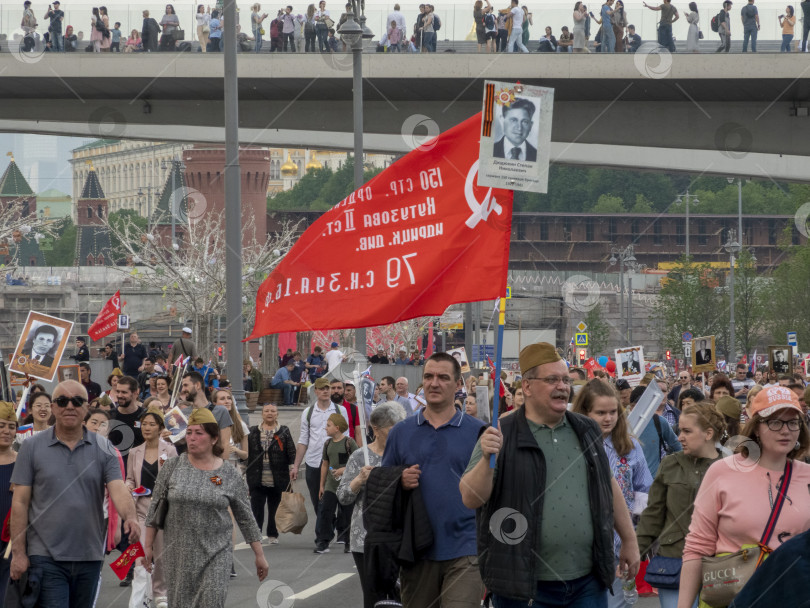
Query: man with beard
[192, 389]
[313, 436]
[128, 414]
[337, 395]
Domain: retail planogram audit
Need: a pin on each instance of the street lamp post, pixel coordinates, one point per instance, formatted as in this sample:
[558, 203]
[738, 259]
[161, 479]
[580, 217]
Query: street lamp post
[624, 256]
[739, 206]
[353, 34]
[732, 247]
[685, 198]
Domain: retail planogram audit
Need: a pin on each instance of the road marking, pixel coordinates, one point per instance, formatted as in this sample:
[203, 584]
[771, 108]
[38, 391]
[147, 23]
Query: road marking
[331, 581]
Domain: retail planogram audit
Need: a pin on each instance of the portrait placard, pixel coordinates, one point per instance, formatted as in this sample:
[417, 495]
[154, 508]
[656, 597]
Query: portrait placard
[515, 136]
[461, 356]
[68, 372]
[630, 364]
[40, 346]
[704, 355]
[780, 359]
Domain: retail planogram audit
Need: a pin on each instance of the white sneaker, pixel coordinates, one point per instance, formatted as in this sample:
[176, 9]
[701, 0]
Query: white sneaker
[161, 602]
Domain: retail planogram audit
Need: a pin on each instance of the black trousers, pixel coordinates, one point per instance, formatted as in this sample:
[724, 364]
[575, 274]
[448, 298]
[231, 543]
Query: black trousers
[805, 30]
[289, 38]
[313, 479]
[270, 497]
[326, 523]
[368, 600]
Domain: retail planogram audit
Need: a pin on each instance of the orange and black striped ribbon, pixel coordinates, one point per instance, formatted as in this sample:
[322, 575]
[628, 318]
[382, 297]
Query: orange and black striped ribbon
[489, 110]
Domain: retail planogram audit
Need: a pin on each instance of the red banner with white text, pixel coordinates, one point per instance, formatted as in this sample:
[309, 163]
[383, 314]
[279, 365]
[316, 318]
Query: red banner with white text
[107, 321]
[418, 237]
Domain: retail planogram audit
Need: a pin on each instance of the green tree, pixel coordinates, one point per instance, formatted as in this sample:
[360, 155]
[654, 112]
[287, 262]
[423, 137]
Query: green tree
[788, 298]
[609, 204]
[750, 306]
[690, 301]
[118, 219]
[64, 245]
[598, 331]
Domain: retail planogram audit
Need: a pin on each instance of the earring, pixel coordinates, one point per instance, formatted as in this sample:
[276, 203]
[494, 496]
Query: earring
[798, 445]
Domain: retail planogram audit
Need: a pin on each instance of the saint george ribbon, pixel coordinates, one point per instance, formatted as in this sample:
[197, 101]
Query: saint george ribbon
[418, 237]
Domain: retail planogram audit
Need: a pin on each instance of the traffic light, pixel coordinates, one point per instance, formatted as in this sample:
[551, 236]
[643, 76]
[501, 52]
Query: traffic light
[669, 355]
[219, 352]
[582, 355]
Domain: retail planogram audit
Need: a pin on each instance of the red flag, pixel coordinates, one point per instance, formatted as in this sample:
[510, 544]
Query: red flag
[122, 565]
[107, 321]
[402, 246]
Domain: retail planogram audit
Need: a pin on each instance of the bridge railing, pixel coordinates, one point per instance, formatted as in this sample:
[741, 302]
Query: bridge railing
[457, 19]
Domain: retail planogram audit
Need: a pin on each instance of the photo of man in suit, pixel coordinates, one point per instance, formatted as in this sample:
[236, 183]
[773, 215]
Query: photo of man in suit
[43, 340]
[517, 124]
[703, 356]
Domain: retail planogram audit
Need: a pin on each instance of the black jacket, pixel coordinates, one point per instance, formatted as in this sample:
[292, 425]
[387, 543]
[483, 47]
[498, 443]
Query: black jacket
[398, 531]
[507, 569]
[282, 455]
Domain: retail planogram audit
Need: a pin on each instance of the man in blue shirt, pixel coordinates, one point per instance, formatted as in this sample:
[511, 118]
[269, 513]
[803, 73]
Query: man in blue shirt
[283, 380]
[435, 445]
[608, 36]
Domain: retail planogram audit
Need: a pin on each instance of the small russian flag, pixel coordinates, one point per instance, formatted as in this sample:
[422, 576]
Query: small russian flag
[24, 428]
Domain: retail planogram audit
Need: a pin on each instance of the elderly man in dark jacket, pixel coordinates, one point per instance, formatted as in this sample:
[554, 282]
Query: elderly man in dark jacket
[550, 468]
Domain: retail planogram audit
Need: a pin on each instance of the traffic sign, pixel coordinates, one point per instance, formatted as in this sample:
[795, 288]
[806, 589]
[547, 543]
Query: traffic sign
[581, 339]
[581, 327]
[686, 336]
[687, 350]
[483, 351]
[508, 292]
[792, 339]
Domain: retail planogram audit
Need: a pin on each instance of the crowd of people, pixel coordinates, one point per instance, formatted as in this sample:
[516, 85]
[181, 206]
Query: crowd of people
[417, 496]
[504, 29]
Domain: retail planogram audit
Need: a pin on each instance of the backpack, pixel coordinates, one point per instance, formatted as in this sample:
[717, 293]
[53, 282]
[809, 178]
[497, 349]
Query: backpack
[717, 20]
[275, 29]
[309, 27]
[437, 24]
[489, 21]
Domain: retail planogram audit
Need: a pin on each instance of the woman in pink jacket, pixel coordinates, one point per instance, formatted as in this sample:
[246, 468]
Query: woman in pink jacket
[143, 464]
[734, 501]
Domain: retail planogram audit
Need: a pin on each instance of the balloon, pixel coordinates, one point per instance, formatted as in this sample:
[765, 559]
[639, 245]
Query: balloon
[602, 360]
[610, 366]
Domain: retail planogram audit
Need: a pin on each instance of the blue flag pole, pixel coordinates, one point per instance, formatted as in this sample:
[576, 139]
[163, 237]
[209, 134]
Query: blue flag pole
[497, 383]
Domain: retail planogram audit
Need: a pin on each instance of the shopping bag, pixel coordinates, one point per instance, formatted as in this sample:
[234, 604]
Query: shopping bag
[141, 588]
[291, 515]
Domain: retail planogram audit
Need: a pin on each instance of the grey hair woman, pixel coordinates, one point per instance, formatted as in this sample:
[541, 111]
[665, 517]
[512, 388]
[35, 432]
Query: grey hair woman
[352, 484]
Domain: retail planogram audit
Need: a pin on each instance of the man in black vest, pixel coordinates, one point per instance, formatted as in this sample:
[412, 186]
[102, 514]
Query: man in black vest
[546, 513]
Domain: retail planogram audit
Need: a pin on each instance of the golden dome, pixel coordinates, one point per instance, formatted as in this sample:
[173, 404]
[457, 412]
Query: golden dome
[313, 164]
[289, 169]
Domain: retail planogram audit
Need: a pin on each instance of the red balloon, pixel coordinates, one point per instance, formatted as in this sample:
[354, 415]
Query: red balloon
[610, 366]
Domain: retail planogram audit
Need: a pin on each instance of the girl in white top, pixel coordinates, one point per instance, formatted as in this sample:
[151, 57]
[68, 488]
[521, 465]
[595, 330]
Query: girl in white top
[39, 412]
[203, 17]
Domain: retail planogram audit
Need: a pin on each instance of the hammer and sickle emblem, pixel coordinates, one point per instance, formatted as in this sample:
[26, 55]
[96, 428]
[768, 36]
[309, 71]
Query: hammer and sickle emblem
[480, 211]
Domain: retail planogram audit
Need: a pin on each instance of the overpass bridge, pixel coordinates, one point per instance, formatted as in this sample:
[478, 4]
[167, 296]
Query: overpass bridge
[718, 114]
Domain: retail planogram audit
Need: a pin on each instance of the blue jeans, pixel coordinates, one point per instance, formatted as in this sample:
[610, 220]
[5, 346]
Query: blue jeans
[665, 36]
[322, 32]
[786, 40]
[257, 35]
[584, 592]
[67, 584]
[57, 42]
[669, 598]
[608, 40]
[287, 391]
[214, 45]
[750, 32]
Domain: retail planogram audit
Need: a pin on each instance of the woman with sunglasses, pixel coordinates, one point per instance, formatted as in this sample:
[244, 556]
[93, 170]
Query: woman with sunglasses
[737, 495]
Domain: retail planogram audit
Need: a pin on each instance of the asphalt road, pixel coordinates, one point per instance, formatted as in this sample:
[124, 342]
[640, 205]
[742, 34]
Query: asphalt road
[298, 577]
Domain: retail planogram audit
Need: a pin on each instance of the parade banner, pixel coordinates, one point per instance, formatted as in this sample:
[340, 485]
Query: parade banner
[415, 239]
[107, 321]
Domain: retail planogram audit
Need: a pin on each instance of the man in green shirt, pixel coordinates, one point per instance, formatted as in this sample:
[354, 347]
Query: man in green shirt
[552, 479]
